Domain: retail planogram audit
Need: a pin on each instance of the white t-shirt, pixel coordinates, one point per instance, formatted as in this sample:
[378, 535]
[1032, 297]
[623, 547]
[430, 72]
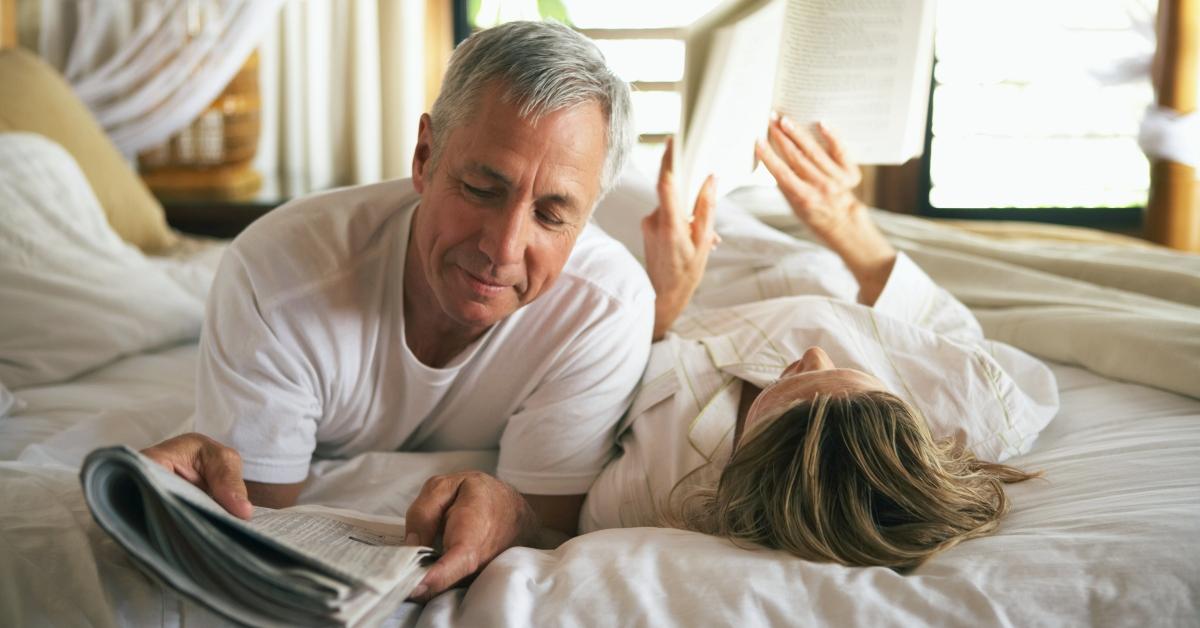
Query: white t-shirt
[303, 351]
[921, 342]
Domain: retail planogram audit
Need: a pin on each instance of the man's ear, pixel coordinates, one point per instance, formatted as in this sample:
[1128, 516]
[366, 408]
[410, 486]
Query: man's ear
[423, 153]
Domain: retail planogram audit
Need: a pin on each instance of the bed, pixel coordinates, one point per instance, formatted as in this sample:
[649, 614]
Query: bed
[99, 342]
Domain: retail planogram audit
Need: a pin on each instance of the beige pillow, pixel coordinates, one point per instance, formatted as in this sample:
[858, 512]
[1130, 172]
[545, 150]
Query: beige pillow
[37, 100]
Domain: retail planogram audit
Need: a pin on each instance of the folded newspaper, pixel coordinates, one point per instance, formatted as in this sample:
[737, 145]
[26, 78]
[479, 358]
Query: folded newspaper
[299, 566]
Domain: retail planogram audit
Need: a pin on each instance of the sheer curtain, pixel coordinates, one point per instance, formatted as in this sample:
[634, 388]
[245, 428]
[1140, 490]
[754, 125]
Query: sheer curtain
[343, 83]
[147, 69]
[343, 88]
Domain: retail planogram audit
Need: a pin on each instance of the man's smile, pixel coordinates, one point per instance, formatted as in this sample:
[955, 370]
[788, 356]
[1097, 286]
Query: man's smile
[482, 286]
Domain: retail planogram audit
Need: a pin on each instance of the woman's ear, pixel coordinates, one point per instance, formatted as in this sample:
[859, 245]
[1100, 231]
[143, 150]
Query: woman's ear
[421, 166]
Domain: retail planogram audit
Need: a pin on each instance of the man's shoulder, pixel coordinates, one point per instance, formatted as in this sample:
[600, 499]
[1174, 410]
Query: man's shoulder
[315, 237]
[600, 264]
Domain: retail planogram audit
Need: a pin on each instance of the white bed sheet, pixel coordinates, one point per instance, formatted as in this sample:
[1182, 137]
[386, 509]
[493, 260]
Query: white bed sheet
[1107, 538]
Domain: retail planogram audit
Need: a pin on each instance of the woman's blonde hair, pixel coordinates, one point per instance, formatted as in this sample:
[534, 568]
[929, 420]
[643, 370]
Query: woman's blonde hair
[855, 479]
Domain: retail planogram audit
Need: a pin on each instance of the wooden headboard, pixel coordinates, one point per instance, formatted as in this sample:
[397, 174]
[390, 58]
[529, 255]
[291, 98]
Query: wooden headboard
[8, 24]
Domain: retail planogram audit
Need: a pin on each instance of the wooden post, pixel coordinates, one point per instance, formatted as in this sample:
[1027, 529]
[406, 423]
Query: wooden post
[439, 43]
[1173, 209]
[8, 24]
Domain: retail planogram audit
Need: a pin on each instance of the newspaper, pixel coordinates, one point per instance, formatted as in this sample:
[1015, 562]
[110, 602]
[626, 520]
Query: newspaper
[299, 566]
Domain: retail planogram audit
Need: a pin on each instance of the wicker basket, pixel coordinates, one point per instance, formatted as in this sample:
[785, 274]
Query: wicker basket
[211, 157]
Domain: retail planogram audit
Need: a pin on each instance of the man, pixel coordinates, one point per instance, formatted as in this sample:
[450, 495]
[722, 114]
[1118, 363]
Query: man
[471, 307]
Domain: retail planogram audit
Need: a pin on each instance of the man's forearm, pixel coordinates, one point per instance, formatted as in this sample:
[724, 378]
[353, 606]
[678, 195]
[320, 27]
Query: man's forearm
[549, 538]
[555, 519]
[274, 495]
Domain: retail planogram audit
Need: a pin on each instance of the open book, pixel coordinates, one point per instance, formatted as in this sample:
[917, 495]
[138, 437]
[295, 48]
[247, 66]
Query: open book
[860, 66]
[300, 566]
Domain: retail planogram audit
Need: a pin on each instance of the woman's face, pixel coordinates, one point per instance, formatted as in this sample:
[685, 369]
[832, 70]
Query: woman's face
[814, 373]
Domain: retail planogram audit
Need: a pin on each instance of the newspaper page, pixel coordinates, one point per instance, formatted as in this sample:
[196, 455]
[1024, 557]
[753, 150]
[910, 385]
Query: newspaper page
[290, 566]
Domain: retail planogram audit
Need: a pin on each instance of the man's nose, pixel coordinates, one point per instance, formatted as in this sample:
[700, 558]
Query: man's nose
[505, 236]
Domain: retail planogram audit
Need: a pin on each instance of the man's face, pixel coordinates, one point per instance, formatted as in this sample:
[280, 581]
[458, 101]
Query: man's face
[503, 205]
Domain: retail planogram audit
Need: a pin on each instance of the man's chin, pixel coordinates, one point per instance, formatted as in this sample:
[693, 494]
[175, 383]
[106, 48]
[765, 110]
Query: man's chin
[476, 315]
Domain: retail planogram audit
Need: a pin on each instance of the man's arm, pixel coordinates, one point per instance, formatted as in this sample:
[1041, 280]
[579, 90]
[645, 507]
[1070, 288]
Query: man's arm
[559, 517]
[211, 466]
[217, 470]
[552, 449]
[273, 495]
[479, 516]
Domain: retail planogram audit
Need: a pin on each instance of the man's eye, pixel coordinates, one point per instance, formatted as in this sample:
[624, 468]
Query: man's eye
[479, 193]
[547, 218]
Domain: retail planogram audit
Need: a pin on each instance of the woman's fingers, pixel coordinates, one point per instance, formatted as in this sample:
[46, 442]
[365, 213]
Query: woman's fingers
[703, 216]
[837, 151]
[667, 202]
[811, 149]
[796, 159]
[800, 195]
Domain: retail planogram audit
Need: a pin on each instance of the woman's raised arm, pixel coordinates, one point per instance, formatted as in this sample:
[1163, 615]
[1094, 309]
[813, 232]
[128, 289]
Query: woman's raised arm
[817, 179]
[677, 246]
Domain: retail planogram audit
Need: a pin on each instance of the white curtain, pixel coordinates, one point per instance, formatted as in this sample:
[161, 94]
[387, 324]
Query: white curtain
[1164, 133]
[147, 69]
[343, 89]
[342, 81]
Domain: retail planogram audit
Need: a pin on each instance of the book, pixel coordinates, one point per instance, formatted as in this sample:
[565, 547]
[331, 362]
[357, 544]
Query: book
[862, 67]
[299, 566]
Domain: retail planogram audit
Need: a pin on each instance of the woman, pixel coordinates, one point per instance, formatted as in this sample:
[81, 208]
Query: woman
[861, 423]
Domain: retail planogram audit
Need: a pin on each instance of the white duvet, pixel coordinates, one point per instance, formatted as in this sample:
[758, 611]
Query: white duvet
[1107, 538]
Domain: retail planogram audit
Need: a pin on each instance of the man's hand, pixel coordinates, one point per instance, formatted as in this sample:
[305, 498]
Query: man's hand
[478, 516]
[211, 466]
[818, 180]
[676, 249]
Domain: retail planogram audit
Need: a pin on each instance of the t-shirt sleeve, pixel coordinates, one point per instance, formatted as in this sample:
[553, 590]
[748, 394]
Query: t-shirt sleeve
[564, 433]
[253, 392]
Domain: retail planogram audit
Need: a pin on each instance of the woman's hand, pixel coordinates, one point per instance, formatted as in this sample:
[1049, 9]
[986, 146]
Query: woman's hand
[677, 249]
[818, 180]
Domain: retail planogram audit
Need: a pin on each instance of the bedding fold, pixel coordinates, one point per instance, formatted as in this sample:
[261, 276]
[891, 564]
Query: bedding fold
[1130, 313]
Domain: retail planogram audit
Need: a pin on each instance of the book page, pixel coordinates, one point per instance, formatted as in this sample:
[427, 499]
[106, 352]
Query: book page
[863, 68]
[732, 105]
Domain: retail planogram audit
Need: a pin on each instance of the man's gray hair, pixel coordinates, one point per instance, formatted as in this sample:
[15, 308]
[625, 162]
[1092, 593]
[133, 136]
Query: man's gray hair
[544, 67]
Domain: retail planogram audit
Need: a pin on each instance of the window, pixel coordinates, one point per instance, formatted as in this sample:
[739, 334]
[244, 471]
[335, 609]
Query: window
[642, 41]
[1030, 117]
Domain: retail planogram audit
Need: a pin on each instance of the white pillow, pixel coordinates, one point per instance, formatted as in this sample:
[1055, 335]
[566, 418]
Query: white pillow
[75, 296]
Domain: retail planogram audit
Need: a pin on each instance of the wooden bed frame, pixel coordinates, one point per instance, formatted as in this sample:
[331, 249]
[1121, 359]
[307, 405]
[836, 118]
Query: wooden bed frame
[1173, 209]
